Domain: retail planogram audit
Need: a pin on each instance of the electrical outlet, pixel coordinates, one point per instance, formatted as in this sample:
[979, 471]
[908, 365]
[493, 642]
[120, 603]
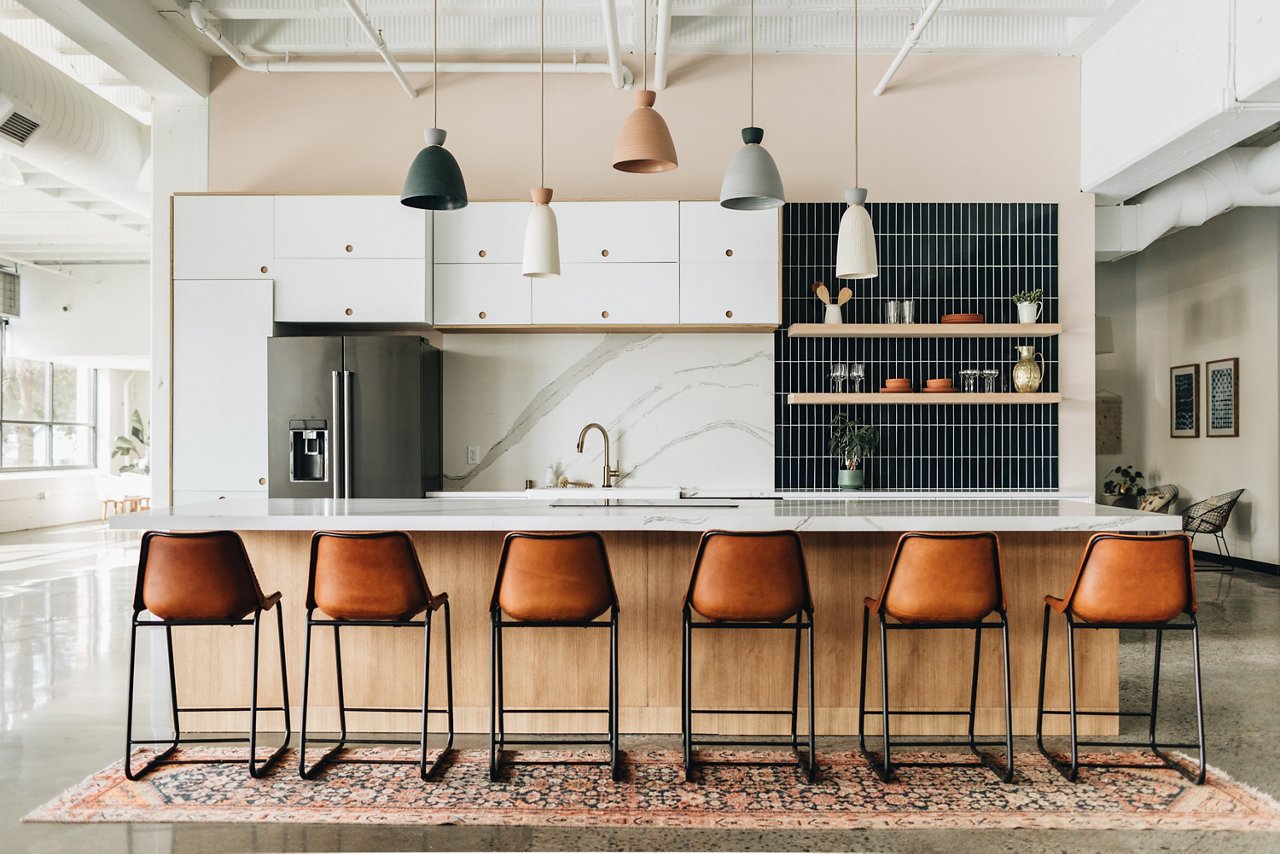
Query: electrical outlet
[473, 455]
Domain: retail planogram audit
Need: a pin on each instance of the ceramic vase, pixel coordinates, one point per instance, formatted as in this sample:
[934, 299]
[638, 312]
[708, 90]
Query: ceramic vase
[1029, 312]
[852, 478]
[1027, 373]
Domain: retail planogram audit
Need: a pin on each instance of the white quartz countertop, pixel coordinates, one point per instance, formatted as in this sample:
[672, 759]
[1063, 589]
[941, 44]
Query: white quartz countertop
[697, 514]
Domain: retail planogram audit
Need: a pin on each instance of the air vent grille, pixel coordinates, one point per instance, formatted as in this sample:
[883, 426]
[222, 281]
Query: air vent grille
[19, 127]
[9, 292]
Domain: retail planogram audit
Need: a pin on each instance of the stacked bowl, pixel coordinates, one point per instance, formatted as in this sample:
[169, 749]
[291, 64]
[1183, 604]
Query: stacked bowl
[897, 386]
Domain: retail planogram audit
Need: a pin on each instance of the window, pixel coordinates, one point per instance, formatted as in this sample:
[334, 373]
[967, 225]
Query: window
[48, 415]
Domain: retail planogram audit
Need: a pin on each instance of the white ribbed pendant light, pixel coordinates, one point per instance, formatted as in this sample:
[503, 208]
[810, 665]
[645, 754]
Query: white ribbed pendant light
[752, 182]
[856, 241]
[541, 235]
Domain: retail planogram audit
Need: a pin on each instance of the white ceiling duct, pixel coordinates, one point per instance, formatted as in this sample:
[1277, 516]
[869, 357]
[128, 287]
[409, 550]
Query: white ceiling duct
[1235, 178]
[60, 127]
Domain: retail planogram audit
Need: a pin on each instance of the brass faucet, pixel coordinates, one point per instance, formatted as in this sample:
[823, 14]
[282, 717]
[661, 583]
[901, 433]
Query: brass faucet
[609, 473]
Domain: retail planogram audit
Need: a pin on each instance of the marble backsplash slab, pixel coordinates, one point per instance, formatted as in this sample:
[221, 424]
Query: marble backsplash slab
[692, 410]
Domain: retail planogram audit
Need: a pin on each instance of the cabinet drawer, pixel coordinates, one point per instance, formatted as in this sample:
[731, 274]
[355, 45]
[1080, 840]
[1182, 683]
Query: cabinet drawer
[349, 227]
[186, 496]
[481, 295]
[728, 294]
[618, 232]
[222, 237]
[608, 295]
[352, 291]
[709, 233]
[481, 233]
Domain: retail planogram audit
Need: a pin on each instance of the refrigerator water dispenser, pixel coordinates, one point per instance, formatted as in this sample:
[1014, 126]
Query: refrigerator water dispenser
[308, 450]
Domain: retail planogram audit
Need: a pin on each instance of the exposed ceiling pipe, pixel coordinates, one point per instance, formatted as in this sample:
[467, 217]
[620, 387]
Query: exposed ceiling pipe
[375, 36]
[913, 37]
[60, 127]
[275, 65]
[620, 73]
[663, 46]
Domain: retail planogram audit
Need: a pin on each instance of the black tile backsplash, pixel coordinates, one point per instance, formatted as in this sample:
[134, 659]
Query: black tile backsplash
[947, 258]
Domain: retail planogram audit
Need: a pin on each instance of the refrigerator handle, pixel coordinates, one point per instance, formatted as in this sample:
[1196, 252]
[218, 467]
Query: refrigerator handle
[335, 469]
[346, 434]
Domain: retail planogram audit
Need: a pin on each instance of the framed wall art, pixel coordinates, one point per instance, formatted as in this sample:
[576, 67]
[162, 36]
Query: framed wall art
[1184, 402]
[1222, 380]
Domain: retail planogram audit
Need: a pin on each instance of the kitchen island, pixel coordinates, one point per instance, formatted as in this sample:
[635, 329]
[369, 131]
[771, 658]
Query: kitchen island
[651, 544]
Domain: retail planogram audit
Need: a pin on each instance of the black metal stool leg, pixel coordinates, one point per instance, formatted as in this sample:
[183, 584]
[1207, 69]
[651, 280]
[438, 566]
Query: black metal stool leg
[495, 689]
[973, 689]
[306, 690]
[686, 699]
[331, 753]
[129, 773]
[812, 771]
[1071, 687]
[615, 755]
[1195, 657]
[258, 770]
[886, 771]
[1044, 655]
[447, 751]
[862, 690]
[1155, 690]
[1008, 701]
[426, 692]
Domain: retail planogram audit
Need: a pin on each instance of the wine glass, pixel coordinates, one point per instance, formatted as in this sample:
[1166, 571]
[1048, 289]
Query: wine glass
[857, 371]
[839, 372]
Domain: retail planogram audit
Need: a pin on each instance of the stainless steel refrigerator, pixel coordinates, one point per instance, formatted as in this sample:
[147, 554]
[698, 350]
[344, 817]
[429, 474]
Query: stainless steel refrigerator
[353, 416]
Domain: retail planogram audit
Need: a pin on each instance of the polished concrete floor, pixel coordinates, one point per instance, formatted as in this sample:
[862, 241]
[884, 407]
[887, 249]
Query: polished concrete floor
[64, 613]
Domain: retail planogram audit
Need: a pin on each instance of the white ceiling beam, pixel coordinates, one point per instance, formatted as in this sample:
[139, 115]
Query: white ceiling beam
[132, 38]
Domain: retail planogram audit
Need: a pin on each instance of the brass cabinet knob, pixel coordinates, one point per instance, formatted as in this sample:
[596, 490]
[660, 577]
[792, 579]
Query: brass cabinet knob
[263, 268]
[483, 253]
[349, 247]
[262, 481]
[728, 253]
[729, 313]
[483, 315]
[604, 253]
[604, 314]
[349, 312]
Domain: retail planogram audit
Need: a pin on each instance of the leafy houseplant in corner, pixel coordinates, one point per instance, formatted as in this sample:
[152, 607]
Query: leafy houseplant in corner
[851, 441]
[133, 447]
[1124, 481]
[1029, 305]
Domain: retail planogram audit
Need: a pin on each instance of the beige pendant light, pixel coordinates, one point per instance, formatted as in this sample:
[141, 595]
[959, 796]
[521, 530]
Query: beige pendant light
[645, 145]
[541, 234]
[856, 241]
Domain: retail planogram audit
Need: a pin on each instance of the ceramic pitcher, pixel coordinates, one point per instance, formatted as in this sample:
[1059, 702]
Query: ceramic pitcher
[1027, 373]
[1029, 312]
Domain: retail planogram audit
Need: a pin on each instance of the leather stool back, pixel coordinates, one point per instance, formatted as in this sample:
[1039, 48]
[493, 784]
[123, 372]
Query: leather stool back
[1132, 579]
[749, 577]
[196, 576]
[367, 576]
[554, 577]
[942, 578]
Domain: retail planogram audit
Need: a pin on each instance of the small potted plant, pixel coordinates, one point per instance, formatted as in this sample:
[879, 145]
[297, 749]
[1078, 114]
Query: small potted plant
[1029, 305]
[851, 441]
[1124, 482]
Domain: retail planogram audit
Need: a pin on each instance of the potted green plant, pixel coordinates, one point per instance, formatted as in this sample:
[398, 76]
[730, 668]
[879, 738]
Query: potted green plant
[851, 441]
[1124, 480]
[133, 447]
[1029, 305]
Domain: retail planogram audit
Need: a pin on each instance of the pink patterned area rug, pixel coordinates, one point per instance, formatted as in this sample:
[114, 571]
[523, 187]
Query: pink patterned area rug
[847, 795]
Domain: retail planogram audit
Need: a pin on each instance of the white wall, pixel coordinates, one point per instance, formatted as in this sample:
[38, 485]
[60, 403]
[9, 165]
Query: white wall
[1199, 295]
[681, 409]
[1118, 372]
[97, 315]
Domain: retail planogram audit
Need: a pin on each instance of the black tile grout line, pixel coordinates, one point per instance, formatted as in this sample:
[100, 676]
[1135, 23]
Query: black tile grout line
[945, 257]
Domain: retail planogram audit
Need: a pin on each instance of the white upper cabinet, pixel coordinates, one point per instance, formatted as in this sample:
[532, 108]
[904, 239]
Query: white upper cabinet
[609, 295]
[481, 295]
[223, 237]
[709, 232]
[368, 290]
[482, 233]
[618, 232]
[349, 227]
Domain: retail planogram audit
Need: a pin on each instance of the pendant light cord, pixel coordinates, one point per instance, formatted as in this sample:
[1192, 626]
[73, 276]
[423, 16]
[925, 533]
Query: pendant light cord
[644, 29]
[855, 94]
[751, 41]
[435, 50]
[542, 93]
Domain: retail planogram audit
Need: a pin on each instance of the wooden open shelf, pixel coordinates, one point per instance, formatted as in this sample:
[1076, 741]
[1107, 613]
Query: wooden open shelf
[924, 330]
[920, 398]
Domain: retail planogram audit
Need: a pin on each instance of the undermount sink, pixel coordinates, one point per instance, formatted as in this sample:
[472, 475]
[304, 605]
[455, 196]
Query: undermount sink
[644, 503]
[650, 493]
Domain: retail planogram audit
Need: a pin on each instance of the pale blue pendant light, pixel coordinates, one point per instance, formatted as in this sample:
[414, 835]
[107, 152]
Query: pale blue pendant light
[752, 182]
[434, 181]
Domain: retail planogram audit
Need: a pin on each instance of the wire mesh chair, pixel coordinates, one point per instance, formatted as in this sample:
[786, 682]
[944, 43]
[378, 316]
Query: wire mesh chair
[1210, 517]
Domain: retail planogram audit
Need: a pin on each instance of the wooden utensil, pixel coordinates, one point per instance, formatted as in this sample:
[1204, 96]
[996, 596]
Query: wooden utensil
[846, 294]
[821, 292]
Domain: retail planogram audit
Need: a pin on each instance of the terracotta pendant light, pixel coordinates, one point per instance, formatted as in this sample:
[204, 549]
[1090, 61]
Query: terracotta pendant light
[752, 182]
[434, 181]
[856, 241]
[645, 145]
[541, 235]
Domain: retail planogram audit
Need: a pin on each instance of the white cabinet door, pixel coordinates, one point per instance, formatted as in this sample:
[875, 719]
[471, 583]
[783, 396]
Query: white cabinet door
[481, 295]
[709, 232]
[375, 290]
[222, 237]
[349, 227]
[220, 331]
[609, 295]
[728, 294]
[481, 233]
[618, 232]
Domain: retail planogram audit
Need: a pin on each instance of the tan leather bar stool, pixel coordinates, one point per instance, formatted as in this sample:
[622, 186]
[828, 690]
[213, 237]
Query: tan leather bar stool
[938, 581]
[1126, 581]
[373, 579]
[750, 580]
[552, 580]
[201, 579]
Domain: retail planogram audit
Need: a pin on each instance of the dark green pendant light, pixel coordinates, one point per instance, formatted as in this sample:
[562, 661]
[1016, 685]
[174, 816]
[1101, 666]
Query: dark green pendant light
[434, 181]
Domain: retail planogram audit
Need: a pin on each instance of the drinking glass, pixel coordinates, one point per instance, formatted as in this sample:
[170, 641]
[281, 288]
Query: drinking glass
[969, 378]
[907, 311]
[989, 376]
[857, 371]
[891, 311]
[839, 372]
